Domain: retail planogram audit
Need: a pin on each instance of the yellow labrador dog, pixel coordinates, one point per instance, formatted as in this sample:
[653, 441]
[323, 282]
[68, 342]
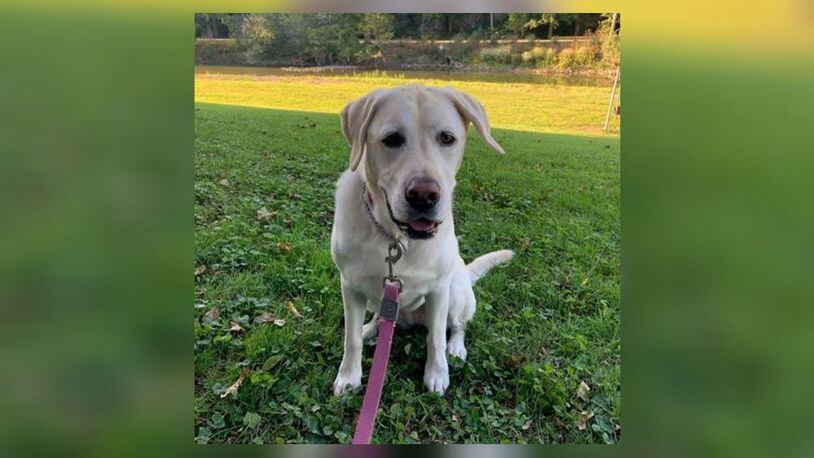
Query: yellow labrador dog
[407, 144]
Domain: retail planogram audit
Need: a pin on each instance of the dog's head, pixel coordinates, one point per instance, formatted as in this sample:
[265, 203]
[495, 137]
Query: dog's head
[408, 143]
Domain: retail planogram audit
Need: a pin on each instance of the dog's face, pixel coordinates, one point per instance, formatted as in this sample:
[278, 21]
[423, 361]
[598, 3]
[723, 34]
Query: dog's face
[409, 141]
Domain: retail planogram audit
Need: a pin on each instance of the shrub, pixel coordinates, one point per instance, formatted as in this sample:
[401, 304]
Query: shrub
[527, 57]
[608, 45]
[584, 56]
[538, 52]
[461, 49]
[548, 58]
[566, 58]
[225, 52]
[497, 55]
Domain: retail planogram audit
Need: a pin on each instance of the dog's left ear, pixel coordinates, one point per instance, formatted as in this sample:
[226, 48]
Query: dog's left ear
[472, 111]
[355, 119]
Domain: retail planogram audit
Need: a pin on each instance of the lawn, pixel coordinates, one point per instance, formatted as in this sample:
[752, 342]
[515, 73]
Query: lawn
[547, 322]
[513, 104]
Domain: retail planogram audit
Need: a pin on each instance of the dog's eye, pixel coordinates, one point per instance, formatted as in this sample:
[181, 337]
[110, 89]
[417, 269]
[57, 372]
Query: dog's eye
[446, 138]
[393, 140]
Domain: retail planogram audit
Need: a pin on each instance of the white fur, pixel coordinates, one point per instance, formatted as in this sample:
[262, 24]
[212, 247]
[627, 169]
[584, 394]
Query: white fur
[437, 283]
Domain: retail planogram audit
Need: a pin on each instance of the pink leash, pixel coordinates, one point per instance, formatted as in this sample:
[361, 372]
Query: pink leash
[387, 324]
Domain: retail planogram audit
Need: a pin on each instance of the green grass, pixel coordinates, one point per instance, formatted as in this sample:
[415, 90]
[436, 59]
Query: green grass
[546, 321]
[513, 104]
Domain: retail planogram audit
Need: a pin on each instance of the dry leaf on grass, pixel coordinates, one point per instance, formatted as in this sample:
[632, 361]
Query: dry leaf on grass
[233, 387]
[582, 421]
[582, 390]
[200, 270]
[264, 215]
[293, 309]
[279, 322]
[282, 246]
[212, 315]
[526, 425]
[224, 182]
[235, 327]
[265, 318]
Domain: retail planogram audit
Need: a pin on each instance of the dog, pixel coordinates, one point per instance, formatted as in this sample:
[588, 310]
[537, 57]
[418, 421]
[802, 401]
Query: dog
[407, 144]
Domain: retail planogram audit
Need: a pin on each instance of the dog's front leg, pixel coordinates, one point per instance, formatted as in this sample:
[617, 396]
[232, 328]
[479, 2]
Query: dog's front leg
[436, 371]
[349, 376]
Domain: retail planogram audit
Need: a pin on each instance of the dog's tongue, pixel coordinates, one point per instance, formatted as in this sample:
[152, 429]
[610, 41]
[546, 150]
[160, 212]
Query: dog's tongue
[421, 224]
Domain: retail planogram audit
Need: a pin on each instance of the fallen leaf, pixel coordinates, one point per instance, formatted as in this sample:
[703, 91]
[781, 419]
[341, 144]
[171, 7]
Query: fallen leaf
[454, 417]
[233, 387]
[235, 327]
[265, 318]
[296, 196]
[200, 270]
[582, 390]
[293, 309]
[526, 425]
[212, 315]
[279, 322]
[282, 246]
[224, 182]
[515, 361]
[271, 362]
[582, 421]
[264, 215]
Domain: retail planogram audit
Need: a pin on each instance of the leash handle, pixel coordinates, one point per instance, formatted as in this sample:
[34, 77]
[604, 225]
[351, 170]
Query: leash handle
[375, 383]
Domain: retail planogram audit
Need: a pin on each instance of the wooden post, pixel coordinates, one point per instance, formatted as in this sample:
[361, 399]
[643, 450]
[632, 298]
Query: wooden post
[491, 21]
[613, 25]
[610, 102]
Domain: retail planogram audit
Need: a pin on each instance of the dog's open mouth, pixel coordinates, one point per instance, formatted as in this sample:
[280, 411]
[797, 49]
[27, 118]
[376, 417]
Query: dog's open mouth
[417, 228]
[422, 228]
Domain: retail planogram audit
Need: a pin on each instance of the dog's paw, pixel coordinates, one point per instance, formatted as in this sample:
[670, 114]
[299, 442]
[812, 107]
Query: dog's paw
[436, 380]
[370, 330]
[345, 383]
[455, 347]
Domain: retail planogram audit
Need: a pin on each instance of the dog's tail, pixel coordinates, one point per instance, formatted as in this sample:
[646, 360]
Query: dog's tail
[483, 264]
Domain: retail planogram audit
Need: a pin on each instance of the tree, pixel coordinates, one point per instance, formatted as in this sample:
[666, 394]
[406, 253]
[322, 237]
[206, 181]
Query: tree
[376, 27]
[212, 25]
[516, 24]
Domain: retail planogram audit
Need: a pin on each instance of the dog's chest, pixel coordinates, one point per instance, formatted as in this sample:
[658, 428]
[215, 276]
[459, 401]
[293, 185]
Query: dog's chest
[420, 274]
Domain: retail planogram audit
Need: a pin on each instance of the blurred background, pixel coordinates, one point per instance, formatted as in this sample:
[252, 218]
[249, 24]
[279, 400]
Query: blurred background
[716, 222]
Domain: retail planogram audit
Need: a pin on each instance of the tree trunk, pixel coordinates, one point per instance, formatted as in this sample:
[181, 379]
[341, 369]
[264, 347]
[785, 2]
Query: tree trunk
[576, 28]
[210, 23]
[491, 21]
[550, 29]
[613, 24]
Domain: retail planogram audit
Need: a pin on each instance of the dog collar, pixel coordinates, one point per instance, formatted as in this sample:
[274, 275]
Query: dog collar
[367, 200]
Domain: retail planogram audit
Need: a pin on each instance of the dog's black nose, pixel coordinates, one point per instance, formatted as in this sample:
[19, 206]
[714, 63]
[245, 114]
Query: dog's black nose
[422, 193]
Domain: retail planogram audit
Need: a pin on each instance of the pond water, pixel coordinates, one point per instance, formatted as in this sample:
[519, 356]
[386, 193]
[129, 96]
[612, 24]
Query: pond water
[506, 76]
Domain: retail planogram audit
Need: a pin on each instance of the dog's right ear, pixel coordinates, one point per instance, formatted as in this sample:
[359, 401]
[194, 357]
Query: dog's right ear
[356, 118]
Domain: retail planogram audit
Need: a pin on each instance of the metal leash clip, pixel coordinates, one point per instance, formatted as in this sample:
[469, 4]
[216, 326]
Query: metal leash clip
[394, 253]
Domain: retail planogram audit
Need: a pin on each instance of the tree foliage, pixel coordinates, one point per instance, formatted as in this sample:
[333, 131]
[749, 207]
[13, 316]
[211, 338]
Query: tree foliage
[345, 38]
